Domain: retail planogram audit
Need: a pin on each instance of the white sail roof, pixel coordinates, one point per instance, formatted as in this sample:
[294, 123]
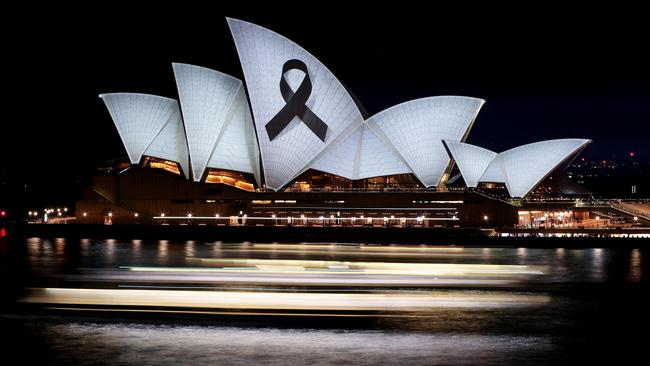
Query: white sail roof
[138, 119]
[170, 143]
[472, 160]
[521, 169]
[361, 155]
[208, 101]
[236, 149]
[494, 173]
[263, 54]
[416, 128]
[526, 166]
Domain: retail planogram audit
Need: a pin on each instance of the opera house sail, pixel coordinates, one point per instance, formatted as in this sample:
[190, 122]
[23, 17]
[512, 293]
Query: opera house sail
[521, 169]
[292, 115]
[217, 121]
[300, 108]
[149, 125]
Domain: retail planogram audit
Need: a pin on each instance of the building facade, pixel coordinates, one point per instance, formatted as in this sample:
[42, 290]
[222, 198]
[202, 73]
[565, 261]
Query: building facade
[292, 141]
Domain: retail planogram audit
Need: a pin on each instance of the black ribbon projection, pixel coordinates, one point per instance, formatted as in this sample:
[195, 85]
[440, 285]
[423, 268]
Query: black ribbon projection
[296, 105]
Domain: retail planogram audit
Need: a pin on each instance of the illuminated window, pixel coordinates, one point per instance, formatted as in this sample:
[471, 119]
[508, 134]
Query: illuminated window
[230, 178]
[166, 165]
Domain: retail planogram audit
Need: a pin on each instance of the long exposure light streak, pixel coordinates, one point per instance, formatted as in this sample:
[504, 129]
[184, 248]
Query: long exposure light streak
[415, 301]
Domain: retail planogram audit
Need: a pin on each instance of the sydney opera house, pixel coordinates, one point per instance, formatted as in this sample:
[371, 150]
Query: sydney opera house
[292, 145]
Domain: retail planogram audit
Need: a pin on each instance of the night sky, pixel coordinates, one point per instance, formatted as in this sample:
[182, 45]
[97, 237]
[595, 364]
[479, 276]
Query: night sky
[545, 72]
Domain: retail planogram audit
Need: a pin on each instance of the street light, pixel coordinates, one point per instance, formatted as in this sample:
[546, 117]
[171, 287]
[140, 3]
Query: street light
[636, 218]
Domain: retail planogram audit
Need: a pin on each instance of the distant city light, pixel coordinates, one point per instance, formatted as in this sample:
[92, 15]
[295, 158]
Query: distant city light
[632, 154]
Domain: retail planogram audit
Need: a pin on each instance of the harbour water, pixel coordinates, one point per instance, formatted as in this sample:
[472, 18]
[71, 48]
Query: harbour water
[403, 305]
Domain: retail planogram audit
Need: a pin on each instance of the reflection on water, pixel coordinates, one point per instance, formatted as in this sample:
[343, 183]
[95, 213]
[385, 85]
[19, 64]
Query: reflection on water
[425, 305]
[85, 246]
[635, 265]
[190, 250]
[162, 251]
[563, 265]
[597, 262]
[110, 250]
[206, 345]
[521, 252]
[59, 245]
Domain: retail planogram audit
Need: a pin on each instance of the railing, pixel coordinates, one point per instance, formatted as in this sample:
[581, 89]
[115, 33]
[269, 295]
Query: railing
[386, 189]
[631, 211]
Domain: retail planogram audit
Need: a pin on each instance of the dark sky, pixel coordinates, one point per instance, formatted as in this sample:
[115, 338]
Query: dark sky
[545, 72]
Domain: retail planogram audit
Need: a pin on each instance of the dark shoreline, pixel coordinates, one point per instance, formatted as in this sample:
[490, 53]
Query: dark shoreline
[469, 237]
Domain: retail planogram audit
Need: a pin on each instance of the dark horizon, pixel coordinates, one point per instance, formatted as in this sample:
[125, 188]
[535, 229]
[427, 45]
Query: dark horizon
[554, 74]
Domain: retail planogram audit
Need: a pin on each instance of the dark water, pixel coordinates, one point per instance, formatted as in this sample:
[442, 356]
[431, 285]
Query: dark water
[597, 312]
